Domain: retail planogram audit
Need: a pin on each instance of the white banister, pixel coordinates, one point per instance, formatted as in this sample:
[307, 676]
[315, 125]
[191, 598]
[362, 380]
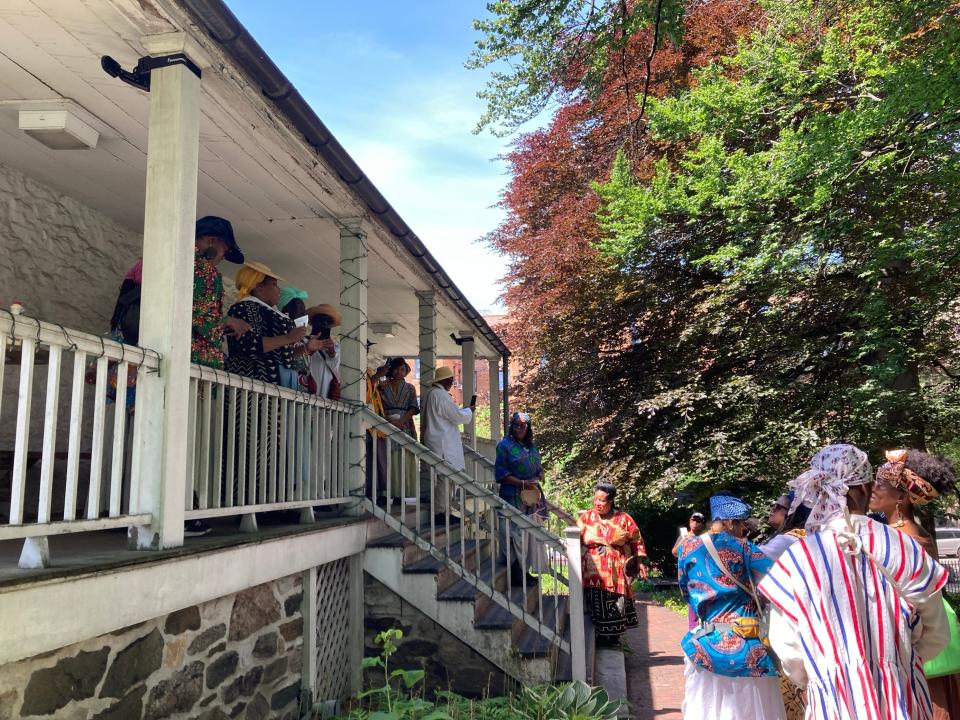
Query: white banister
[35, 511]
[577, 636]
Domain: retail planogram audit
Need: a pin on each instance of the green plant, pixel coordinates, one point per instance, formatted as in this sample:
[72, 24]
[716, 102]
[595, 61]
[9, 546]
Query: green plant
[390, 702]
[570, 701]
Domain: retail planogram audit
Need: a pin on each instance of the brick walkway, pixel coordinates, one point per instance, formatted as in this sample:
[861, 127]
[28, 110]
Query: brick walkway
[655, 667]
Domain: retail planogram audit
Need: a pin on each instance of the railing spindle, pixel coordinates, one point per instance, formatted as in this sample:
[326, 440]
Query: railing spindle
[44, 509]
[96, 449]
[22, 439]
[74, 433]
[241, 450]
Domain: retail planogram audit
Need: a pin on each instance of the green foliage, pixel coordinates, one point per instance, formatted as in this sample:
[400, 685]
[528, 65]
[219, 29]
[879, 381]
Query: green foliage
[541, 47]
[398, 698]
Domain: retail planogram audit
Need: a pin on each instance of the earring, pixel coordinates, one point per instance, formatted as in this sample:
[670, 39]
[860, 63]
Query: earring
[900, 521]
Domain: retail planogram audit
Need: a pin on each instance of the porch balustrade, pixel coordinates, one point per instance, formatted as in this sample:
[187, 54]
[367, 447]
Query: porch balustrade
[79, 438]
[258, 447]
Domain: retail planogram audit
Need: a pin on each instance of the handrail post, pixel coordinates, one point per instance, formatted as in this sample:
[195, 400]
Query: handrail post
[577, 641]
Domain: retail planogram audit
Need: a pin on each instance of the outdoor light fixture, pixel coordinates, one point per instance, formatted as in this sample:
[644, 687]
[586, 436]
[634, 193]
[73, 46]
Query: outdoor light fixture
[387, 329]
[139, 77]
[58, 129]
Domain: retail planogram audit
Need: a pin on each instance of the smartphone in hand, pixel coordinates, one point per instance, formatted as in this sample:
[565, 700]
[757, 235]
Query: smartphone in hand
[473, 401]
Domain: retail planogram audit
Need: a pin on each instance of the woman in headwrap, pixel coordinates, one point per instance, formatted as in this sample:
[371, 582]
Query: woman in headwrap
[728, 673]
[912, 478]
[273, 351]
[612, 552]
[856, 608]
[786, 527]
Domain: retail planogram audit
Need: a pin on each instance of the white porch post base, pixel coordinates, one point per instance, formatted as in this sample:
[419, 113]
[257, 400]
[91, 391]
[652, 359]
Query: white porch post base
[35, 553]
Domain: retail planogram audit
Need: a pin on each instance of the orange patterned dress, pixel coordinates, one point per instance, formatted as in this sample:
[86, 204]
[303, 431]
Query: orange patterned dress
[607, 544]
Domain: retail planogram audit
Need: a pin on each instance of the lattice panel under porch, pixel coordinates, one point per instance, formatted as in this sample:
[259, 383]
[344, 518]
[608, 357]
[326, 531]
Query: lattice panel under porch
[333, 659]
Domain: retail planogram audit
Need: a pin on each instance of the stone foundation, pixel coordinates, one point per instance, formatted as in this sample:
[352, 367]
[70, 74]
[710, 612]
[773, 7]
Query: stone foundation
[239, 656]
[450, 664]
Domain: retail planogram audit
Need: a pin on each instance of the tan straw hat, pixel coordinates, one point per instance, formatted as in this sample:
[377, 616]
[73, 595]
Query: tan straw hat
[441, 374]
[329, 310]
[261, 268]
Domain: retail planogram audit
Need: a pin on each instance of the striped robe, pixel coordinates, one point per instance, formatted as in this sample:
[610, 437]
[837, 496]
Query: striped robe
[840, 628]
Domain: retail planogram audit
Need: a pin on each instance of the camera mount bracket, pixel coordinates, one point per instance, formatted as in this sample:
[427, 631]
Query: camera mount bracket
[139, 77]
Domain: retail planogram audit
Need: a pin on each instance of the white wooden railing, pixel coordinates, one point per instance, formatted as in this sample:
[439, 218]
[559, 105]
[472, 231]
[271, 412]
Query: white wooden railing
[79, 438]
[258, 447]
[468, 534]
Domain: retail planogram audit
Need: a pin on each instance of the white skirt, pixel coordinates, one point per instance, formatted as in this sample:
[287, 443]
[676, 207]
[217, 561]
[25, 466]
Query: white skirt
[718, 697]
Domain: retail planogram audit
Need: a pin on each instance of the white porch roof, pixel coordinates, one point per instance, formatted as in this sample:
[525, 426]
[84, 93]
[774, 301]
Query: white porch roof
[255, 169]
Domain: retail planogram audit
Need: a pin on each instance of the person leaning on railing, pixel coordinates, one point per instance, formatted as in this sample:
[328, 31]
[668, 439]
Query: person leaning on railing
[519, 472]
[214, 243]
[612, 552]
[273, 351]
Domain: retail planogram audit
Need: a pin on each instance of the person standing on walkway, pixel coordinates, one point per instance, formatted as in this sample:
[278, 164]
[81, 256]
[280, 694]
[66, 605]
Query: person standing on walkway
[856, 606]
[728, 673]
[612, 552]
[696, 526]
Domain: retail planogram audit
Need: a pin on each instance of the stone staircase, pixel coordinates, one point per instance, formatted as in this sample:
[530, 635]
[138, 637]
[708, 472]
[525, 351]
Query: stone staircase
[420, 577]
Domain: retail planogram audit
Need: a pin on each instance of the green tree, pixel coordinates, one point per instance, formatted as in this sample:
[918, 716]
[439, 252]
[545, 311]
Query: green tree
[543, 48]
[792, 267]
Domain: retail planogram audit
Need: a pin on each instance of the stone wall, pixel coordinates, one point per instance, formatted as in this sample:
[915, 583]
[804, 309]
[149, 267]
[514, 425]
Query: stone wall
[62, 259]
[239, 656]
[450, 664]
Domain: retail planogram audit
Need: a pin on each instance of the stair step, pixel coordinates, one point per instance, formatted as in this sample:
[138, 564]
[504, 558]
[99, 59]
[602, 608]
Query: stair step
[497, 617]
[533, 644]
[464, 589]
[393, 539]
[430, 564]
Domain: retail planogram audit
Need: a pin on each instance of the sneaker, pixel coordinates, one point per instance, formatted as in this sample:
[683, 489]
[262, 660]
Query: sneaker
[195, 528]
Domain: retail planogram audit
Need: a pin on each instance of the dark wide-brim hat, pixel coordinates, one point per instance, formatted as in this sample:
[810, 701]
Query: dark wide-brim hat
[214, 226]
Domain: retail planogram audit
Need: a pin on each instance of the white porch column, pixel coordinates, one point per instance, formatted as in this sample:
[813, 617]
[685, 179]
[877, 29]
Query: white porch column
[469, 386]
[428, 349]
[495, 420]
[353, 364]
[353, 343]
[160, 462]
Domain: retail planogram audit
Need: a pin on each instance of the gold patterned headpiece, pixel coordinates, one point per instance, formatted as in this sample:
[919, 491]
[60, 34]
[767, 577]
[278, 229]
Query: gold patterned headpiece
[895, 472]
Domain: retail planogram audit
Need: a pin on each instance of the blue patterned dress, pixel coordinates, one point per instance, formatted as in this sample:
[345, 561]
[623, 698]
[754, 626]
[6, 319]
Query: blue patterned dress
[716, 598]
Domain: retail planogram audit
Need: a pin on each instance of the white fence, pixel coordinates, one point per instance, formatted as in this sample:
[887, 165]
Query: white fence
[259, 447]
[54, 400]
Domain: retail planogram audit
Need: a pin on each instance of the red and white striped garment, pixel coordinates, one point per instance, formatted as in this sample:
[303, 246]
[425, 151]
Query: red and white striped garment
[841, 628]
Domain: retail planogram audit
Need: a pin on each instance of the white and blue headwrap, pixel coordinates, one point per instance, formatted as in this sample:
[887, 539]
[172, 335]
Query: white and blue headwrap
[728, 507]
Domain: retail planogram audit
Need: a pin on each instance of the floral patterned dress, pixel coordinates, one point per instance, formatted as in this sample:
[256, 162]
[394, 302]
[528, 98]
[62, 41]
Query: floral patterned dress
[206, 333]
[607, 546]
[715, 598]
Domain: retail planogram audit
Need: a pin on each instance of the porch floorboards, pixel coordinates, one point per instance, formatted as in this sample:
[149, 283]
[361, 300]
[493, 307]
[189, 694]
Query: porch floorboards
[104, 551]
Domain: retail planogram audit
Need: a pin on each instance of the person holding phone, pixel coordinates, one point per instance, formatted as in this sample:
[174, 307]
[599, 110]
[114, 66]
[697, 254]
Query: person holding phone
[442, 432]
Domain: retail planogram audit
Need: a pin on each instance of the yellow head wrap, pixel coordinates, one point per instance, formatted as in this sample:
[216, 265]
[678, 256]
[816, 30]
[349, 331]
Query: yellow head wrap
[246, 280]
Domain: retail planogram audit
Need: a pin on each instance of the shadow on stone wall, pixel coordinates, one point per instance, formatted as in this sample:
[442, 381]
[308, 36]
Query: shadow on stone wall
[449, 663]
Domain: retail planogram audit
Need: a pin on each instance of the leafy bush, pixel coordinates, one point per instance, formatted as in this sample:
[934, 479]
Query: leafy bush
[399, 698]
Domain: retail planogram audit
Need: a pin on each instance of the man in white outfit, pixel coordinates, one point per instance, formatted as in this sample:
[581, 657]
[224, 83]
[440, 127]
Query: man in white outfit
[442, 432]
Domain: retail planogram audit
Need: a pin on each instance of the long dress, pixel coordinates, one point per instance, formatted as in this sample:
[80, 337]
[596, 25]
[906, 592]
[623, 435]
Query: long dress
[522, 462]
[245, 353]
[728, 677]
[607, 544]
[841, 628]
[398, 399]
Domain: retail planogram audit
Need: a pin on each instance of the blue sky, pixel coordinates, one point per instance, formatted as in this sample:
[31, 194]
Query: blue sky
[387, 78]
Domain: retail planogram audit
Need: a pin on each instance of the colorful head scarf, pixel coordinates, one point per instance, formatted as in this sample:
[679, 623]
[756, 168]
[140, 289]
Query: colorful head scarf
[823, 488]
[728, 507]
[895, 472]
[291, 293]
